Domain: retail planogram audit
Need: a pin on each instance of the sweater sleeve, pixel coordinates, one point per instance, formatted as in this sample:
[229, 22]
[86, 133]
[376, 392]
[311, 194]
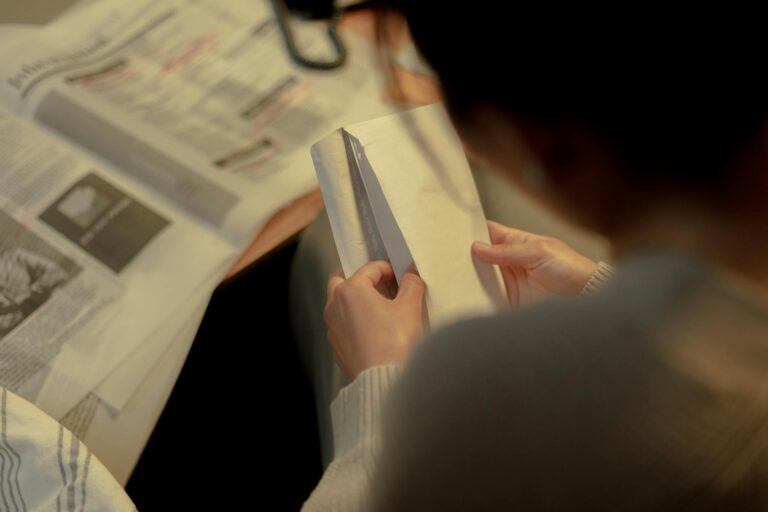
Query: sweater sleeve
[356, 422]
[602, 274]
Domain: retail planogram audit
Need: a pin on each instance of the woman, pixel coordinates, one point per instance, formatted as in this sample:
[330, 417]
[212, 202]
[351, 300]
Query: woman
[650, 394]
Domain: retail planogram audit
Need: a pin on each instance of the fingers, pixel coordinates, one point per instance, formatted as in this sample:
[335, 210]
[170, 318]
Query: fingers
[335, 279]
[411, 290]
[500, 233]
[371, 274]
[521, 254]
[375, 272]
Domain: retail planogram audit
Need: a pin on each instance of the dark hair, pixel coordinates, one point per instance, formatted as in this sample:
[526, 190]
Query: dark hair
[673, 96]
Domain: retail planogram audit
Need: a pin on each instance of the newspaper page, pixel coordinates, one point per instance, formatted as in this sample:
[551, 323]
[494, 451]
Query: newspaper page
[197, 99]
[80, 242]
[192, 110]
[118, 437]
[116, 389]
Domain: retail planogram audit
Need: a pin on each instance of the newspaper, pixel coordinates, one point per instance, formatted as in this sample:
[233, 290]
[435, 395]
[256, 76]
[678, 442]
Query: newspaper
[118, 437]
[143, 145]
[207, 107]
[90, 264]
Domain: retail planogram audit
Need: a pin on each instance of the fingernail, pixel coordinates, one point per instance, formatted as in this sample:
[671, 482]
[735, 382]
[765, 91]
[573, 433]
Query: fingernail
[480, 245]
[412, 269]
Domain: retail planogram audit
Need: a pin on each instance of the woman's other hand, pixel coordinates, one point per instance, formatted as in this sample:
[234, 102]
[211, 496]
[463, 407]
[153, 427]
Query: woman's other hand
[534, 266]
[365, 327]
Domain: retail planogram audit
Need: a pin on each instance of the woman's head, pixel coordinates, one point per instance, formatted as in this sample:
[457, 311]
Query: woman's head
[620, 114]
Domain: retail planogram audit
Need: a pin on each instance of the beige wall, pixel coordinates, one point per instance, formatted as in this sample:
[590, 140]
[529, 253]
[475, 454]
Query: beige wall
[31, 11]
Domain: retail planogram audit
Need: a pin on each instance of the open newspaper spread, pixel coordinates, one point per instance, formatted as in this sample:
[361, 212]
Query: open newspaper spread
[142, 147]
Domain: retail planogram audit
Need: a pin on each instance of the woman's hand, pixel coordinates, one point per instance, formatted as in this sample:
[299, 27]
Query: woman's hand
[534, 266]
[365, 327]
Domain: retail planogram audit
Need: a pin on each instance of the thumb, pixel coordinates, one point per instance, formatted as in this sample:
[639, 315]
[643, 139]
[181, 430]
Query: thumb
[412, 289]
[510, 255]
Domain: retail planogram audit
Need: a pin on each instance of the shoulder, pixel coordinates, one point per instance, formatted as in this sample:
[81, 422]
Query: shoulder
[539, 362]
[530, 397]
